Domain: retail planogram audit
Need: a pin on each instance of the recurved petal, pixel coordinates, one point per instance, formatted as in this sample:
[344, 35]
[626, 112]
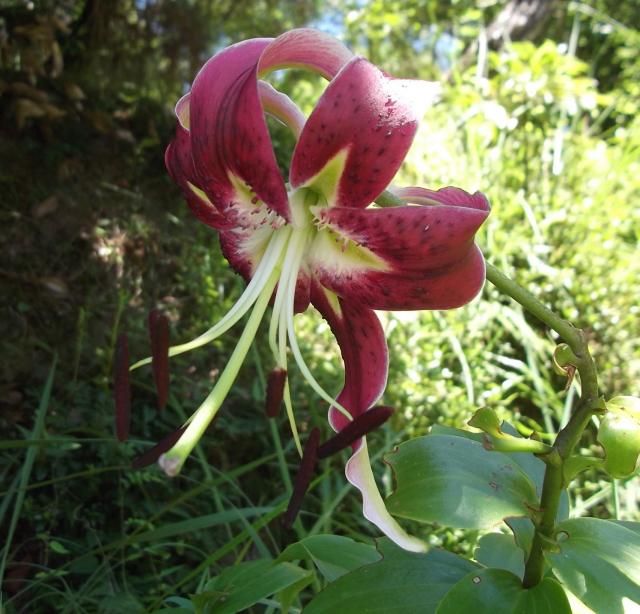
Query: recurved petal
[359, 473]
[305, 48]
[444, 288]
[364, 352]
[232, 152]
[414, 240]
[366, 122]
[179, 163]
[281, 107]
[449, 195]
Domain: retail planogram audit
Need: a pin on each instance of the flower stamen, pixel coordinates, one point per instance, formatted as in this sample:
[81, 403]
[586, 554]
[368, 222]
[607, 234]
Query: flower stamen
[271, 255]
[275, 391]
[172, 461]
[361, 426]
[303, 477]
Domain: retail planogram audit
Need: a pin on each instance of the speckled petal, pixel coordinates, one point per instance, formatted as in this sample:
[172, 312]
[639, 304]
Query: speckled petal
[364, 352]
[230, 142]
[367, 118]
[179, 163]
[406, 257]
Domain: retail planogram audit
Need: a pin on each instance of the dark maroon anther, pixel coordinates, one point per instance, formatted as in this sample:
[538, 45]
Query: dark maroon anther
[122, 388]
[360, 426]
[159, 334]
[275, 391]
[303, 479]
[152, 455]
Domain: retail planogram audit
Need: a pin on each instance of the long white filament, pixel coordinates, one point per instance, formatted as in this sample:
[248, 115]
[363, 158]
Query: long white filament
[242, 305]
[297, 250]
[172, 461]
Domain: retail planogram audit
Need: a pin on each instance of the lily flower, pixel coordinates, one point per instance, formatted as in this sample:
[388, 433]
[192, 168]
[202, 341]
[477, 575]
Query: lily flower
[319, 238]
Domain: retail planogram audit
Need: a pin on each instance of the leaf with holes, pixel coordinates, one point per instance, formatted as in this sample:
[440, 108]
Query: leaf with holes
[454, 481]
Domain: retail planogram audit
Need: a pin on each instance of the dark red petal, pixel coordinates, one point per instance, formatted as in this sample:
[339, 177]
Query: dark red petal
[361, 425]
[152, 455]
[443, 288]
[229, 134]
[122, 388]
[275, 391]
[179, 163]
[412, 240]
[303, 478]
[305, 48]
[364, 353]
[159, 333]
[371, 117]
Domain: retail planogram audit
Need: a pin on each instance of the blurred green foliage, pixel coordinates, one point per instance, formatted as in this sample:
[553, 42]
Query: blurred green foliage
[94, 235]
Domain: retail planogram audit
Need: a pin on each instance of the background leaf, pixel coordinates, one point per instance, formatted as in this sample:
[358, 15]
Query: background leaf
[333, 555]
[241, 586]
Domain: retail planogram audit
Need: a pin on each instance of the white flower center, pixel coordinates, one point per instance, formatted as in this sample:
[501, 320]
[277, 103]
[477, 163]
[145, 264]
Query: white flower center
[281, 265]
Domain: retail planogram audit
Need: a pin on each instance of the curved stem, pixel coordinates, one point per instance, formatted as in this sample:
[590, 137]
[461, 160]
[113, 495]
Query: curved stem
[569, 436]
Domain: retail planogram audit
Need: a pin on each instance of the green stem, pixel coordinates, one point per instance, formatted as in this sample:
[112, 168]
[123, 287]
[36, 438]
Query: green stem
[569, 436]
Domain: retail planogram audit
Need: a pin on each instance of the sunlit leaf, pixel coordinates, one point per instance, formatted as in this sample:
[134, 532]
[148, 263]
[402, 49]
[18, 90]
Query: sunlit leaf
[456, 482]
[599, 561]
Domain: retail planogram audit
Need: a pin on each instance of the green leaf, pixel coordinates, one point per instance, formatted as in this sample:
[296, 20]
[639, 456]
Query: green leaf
[456, 482]
[198, 523]
[288, 595]
[628, 524]
[441, 429]
[599, 561]
[57, 547]
[530, 464]
[523, 531]
[500, 551]
[333, 555]
[402, 583]
[496, 591]
[243, 585]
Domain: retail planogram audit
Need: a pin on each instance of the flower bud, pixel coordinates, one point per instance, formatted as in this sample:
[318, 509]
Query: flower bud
[619, 435]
